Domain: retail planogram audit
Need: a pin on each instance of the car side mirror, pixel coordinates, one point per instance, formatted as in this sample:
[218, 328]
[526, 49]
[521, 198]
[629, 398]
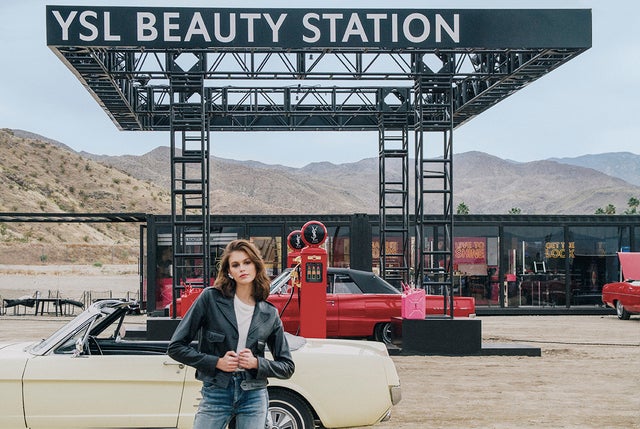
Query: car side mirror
[79, 350]
[121, 333]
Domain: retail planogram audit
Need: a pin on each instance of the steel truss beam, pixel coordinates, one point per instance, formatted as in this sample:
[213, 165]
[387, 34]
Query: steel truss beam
[133, 86]
[432, 91]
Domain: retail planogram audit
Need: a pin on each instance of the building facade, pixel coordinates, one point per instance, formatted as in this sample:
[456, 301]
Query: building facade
[500, 260]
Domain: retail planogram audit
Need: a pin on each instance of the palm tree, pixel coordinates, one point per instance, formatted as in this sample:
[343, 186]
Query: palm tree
[633, 206]
[462, 209]
[609, 209]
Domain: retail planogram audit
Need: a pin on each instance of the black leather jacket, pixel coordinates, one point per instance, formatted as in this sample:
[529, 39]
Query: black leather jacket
[213, 317]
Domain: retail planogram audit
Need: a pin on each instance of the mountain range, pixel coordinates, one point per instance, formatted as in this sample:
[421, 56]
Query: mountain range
[38, 174]
[484, 183]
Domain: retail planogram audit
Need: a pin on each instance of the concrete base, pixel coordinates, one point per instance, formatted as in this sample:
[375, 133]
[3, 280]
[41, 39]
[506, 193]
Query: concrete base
[511, 349]
[441, 336]
[450, 337]
[161, 328]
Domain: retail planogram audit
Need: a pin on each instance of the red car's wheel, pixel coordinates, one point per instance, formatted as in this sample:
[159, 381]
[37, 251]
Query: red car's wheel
[383, 332]
[621, 312]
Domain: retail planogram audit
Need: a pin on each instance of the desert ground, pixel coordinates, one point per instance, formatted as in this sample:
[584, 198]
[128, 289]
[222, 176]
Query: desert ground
[587, 377]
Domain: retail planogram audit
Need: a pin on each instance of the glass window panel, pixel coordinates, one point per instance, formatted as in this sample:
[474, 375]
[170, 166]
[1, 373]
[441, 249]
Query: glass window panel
[343, 284]
[536, 272]
[476, 263]
[338, 246]
[594, 261]
[268, 239]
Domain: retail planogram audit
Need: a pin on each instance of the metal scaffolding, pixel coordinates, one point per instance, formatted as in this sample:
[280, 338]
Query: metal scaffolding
[428, 84]
[190, 156]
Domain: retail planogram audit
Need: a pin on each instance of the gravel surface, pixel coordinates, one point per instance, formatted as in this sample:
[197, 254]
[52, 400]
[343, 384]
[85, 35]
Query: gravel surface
[587, 377]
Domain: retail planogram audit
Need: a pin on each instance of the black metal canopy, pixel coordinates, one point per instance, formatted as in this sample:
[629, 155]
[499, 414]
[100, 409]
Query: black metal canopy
[191, 71]
[307, 69]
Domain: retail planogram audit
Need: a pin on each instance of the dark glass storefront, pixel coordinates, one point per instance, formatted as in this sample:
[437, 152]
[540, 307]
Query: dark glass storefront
[500, 260]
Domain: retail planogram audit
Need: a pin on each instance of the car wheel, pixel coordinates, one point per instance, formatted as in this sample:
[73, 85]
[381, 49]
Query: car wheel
[621, 312]
[288, 411]
[383, 332]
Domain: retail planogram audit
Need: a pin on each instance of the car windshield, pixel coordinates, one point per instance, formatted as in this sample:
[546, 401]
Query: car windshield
[75, 324]
[279, 281]
[104, 310]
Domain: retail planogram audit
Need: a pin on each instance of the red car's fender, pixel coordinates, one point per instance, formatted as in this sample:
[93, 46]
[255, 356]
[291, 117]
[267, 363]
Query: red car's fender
[626, 293]
[354, 315]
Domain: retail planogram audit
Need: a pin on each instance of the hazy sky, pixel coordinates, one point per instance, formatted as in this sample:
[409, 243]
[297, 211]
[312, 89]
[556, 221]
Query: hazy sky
[589, 105]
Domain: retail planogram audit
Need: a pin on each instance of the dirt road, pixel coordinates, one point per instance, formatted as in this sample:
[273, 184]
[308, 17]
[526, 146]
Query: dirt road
[587, 377]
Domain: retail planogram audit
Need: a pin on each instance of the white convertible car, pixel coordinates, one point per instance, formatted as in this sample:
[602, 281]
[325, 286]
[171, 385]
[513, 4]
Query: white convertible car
[89, 375]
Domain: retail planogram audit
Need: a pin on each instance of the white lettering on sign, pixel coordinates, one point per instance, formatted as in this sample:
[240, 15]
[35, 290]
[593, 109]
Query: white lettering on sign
[376, 18]
[197, 26]
[93, 30]
[309, 26]
[107, 29]
[416, 27]
[275, 26]
[169, 26]
[175, 26]
[441, 24]
[354, 28]
[146, 22]
[65, 23]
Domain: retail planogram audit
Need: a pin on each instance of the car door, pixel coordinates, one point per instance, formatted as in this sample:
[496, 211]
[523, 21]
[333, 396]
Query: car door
[132, 391]
[363, 304]
[350, 306]
[333, 310]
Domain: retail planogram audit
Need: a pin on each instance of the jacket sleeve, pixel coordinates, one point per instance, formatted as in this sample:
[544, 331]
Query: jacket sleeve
[180, 348]
[282, 365]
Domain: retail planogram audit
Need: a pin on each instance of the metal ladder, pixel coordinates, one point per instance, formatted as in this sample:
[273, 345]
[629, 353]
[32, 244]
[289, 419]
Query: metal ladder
[190, 151]
[393, 196]
[434, 179]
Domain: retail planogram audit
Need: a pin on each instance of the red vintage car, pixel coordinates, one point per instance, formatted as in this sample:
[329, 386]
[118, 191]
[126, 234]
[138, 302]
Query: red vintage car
[625, 296]
[359, 304]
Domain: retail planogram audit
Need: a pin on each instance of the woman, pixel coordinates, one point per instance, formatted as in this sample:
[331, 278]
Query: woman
[235, 322]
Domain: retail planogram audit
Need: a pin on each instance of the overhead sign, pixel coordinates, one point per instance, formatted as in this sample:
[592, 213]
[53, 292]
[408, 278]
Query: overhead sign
[213, 28]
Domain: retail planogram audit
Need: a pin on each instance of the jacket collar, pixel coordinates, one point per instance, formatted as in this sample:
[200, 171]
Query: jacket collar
[260, 316]
[260, 313]
[226, 308]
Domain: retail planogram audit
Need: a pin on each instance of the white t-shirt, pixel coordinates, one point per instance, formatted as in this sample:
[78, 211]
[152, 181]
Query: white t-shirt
[244, 313]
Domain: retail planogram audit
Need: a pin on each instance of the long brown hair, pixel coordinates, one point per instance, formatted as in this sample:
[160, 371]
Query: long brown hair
[227, 285]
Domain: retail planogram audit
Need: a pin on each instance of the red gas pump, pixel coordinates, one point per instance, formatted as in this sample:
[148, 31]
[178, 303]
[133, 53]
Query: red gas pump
[313, 281]
[295, 243]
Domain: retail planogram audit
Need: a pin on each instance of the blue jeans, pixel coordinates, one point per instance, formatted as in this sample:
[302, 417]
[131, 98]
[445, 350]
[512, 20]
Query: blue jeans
[218, 406]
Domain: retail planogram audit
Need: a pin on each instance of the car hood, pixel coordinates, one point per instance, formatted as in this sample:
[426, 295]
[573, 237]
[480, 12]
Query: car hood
[13, 359]
[14, 346]
[344, 347]
[630, 264]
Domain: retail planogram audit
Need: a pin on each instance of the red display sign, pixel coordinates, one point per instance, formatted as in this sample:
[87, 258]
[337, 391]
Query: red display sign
[470, 250]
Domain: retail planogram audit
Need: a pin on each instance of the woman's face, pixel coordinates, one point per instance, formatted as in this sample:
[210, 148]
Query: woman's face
[241, 268]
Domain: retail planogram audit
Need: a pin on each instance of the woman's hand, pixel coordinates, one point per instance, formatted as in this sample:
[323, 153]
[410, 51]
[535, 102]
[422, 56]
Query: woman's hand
[229, 362]
[247, 360]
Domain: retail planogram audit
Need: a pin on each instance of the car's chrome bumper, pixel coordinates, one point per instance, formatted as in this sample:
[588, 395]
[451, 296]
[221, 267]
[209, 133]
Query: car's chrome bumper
[396, 394]
[386, 417]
